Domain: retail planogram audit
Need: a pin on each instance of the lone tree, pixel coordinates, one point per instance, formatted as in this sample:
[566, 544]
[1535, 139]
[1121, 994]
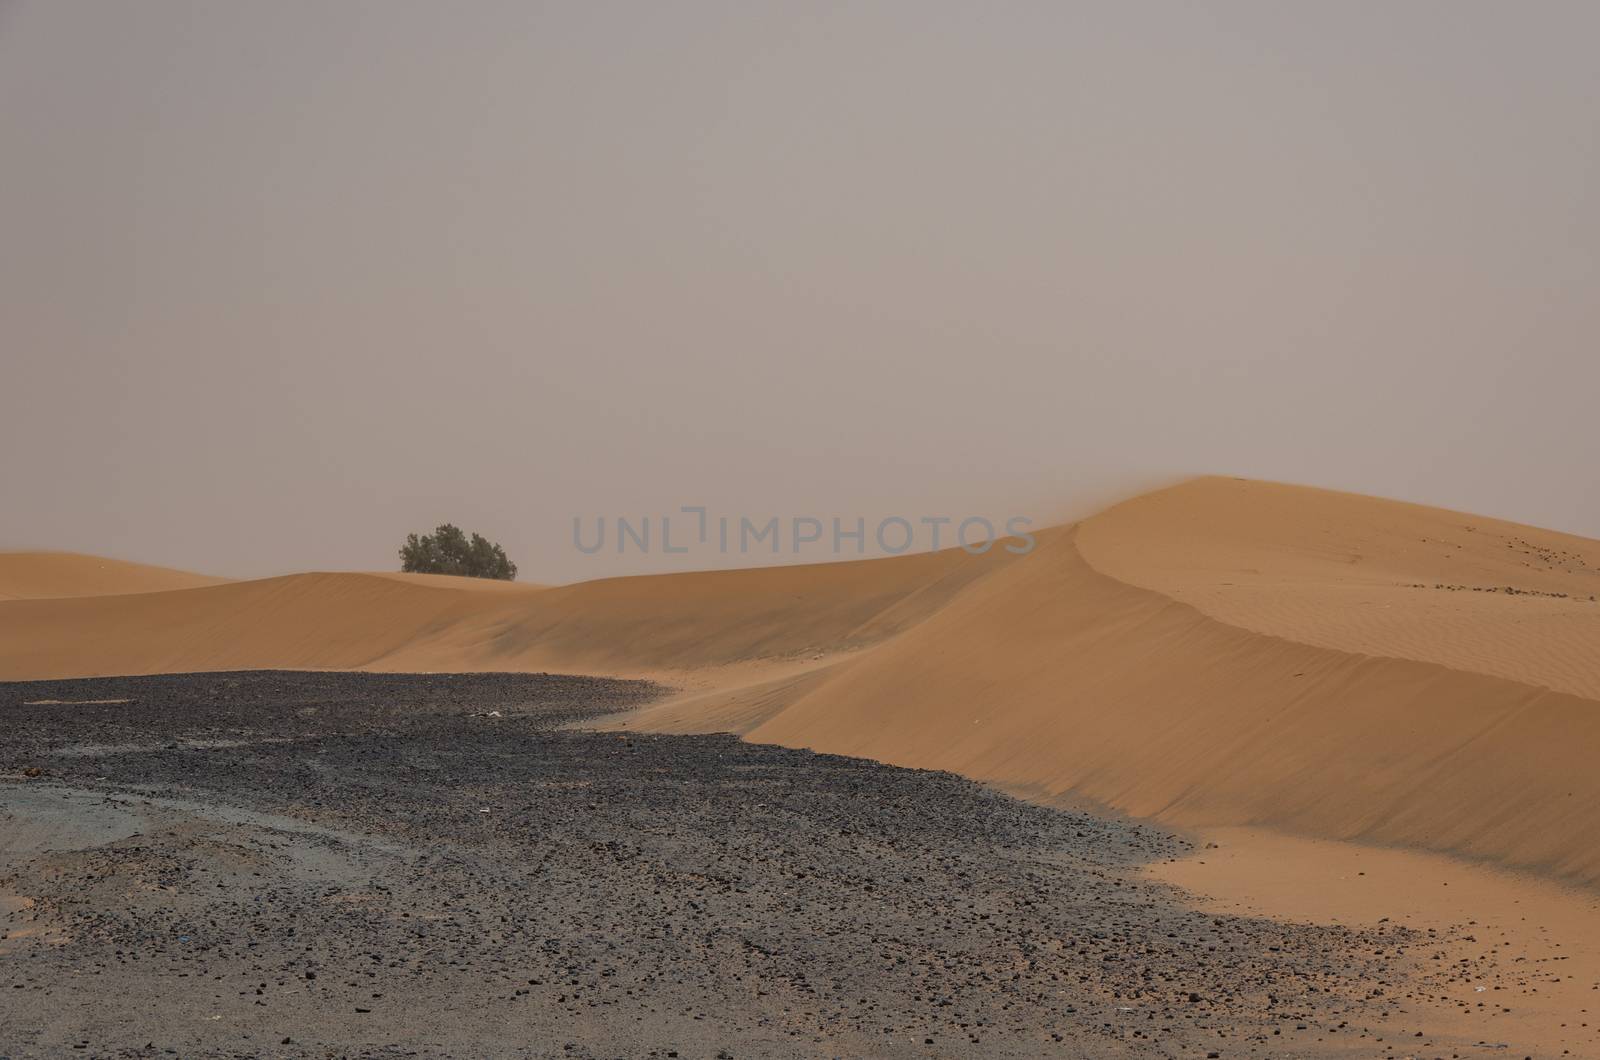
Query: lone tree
[448, 551]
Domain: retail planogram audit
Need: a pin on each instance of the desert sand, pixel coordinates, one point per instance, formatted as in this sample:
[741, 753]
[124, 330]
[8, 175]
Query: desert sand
[1219, 653]
[53, 575]
[1253, 663]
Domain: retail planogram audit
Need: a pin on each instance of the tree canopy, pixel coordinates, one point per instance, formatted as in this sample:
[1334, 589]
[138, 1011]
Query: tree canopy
[449, 551]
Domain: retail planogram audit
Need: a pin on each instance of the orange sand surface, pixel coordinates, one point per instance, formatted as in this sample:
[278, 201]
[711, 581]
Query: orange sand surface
[1219, 653]
[1539, 986]
[48, 575]
[1291, 666]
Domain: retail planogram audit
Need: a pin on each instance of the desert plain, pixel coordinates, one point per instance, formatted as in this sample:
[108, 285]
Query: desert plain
[1232, 768]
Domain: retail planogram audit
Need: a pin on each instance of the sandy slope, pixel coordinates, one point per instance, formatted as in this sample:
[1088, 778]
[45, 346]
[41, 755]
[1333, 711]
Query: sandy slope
[42, 575]
[1367, 576]
[1220, 653]
[696, 627]
[1058, 679]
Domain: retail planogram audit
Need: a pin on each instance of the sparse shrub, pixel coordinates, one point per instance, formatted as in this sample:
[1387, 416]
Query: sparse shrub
[449, 551]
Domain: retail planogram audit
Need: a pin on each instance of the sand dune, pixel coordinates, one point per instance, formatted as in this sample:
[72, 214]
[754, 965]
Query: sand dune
[694, 627]
[1367, 576]
[1219, 653]
[47, 575]
[1058, 680]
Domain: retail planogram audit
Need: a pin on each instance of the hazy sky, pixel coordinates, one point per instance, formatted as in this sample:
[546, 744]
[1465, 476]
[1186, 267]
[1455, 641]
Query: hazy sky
[282, 281]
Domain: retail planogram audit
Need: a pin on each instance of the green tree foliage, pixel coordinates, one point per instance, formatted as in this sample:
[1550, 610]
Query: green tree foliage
[449, 551]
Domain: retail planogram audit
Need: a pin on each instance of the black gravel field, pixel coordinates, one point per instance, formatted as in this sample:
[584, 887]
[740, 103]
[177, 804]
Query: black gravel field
[343, 864]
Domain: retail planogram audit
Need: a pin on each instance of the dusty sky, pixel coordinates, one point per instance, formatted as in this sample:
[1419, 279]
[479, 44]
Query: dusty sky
[282, 281]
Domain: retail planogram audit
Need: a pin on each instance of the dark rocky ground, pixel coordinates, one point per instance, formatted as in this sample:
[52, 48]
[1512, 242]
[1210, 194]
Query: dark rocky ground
[306, 864]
